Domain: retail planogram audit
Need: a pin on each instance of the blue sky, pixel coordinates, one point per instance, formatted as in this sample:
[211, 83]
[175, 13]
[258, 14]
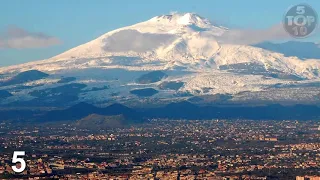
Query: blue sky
[75, 22]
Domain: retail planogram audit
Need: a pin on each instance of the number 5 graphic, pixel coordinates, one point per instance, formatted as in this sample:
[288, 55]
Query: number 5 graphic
[15, 159]
[301, 10]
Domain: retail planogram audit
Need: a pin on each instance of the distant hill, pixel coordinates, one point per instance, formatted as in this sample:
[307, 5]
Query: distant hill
[178, 110]
[96, 121]
[83, 110]
[24, 77]
[187, 110]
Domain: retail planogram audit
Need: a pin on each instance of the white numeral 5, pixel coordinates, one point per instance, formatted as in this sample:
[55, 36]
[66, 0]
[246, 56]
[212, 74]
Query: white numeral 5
[15, 159]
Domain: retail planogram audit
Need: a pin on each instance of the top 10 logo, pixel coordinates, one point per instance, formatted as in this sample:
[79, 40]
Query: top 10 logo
[300, 20]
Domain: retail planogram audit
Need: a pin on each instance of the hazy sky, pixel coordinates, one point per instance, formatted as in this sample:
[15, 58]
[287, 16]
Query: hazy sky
[42, 29]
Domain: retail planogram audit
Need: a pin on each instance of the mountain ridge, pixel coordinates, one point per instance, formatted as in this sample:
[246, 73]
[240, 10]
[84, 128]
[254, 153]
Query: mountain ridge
[178, 110]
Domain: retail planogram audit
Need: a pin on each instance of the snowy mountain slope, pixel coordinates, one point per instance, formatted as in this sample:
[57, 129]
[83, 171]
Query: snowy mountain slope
[187, 47]
[185, 38]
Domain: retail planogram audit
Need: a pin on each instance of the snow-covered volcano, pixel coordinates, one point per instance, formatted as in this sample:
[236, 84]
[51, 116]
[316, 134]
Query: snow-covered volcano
[177, 55]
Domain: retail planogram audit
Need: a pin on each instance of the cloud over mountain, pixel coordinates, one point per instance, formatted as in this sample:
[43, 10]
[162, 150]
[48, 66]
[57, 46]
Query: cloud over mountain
[133, 40]
[254, 36]
[17, 38]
